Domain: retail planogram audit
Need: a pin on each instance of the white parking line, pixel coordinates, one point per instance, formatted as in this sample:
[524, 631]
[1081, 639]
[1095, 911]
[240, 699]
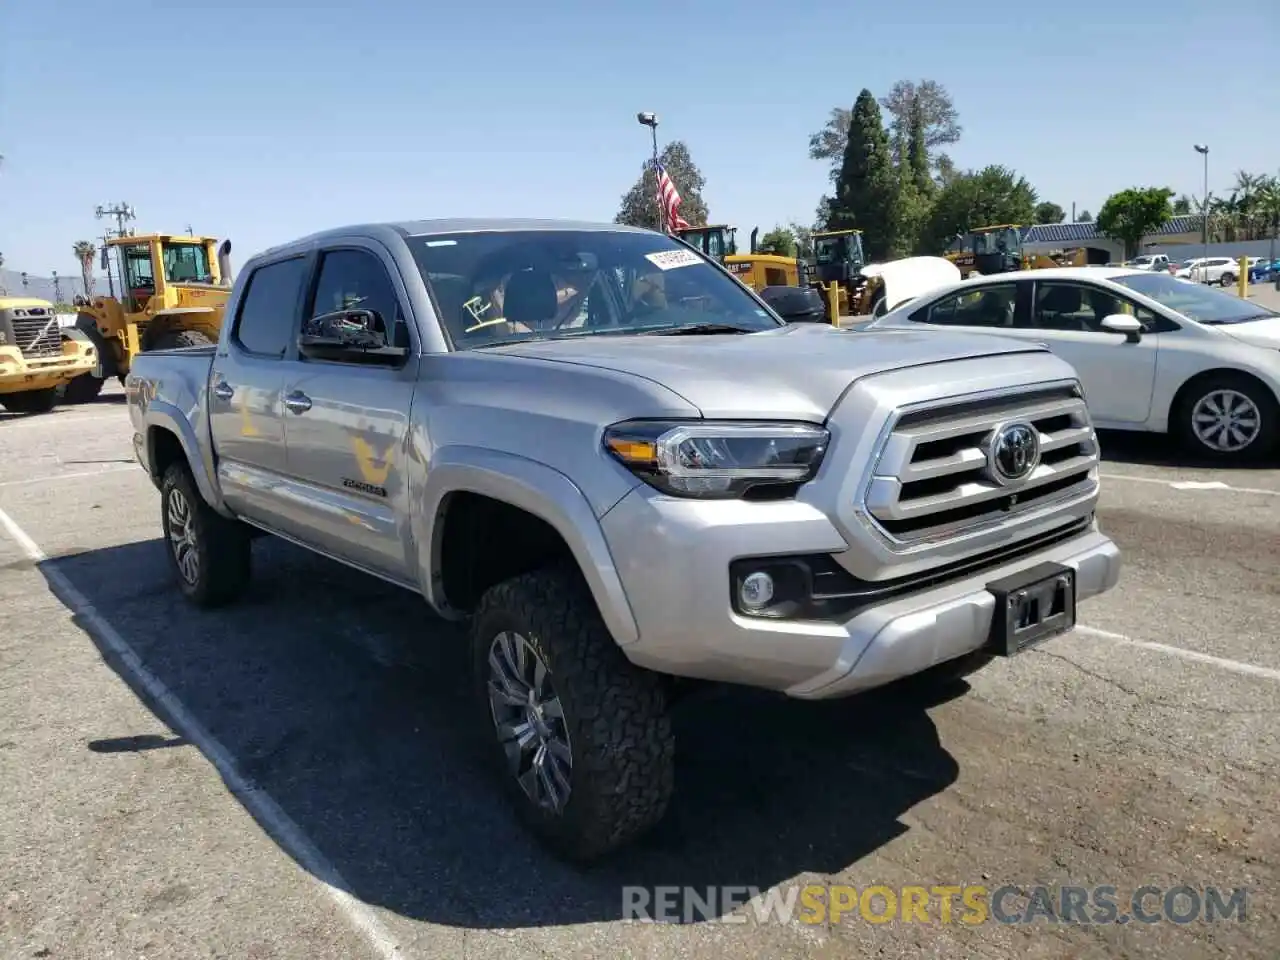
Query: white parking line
[1191, 484]
[67, 476]
[256, 800]
[1235, 666]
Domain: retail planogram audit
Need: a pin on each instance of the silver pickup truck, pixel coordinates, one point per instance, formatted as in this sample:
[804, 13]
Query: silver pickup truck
[628, 474]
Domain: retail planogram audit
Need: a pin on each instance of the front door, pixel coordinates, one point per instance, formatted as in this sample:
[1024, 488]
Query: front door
[347, 424]
[244, 402]
[1118, 376]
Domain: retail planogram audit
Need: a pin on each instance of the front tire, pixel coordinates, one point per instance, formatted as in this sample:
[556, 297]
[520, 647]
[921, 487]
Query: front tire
[210, 554]
[580, 737]
[30, 401]
[1228, 418]
[181, 338]
[1227, 279]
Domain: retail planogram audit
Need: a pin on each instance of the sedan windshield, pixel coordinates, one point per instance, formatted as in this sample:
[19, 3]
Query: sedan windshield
[492, 287]
[1200, 303]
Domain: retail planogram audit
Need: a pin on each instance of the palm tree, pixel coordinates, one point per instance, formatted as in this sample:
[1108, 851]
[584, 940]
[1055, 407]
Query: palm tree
[84, 251]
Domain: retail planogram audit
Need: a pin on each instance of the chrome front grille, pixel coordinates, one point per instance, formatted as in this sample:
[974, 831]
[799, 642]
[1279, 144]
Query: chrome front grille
[36, 332]
[937, 477]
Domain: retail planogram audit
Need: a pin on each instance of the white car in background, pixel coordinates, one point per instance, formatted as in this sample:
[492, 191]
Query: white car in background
[1221, 270]
[1154, 353]
[1149, 261]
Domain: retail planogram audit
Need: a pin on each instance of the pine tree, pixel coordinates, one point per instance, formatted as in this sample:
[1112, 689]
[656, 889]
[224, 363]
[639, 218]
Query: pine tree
[867, 188]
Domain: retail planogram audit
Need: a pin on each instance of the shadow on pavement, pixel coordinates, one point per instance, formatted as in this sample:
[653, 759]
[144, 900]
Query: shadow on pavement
[1158, 450]
[345, 700]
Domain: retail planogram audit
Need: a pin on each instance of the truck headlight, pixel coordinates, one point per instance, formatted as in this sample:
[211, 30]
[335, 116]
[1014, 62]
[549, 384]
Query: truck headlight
[717, 459]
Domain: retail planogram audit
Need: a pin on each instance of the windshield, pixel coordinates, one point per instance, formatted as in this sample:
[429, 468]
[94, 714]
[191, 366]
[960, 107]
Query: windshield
[838, 249]
[996, 241]
[186, 263]
[1201, 303]
[501, 287]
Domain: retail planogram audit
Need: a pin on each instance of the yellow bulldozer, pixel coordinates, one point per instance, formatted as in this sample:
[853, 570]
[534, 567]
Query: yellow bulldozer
[173, 292]
[757, 270]
[37, 355]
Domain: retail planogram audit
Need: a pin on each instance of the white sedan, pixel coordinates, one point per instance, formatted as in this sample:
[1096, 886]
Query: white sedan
[1153, 353]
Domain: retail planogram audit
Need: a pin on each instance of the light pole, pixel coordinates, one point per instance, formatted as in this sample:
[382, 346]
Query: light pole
[647, 119]
[1203, 148]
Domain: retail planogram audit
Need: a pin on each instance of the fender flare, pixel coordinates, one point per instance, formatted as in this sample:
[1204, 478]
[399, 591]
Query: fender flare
[163, 416]
[537, 489]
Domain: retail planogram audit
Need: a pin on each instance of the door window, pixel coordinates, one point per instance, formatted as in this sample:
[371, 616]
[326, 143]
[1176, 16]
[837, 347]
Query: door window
[989, 306]
[1081, 308]
[264, 324]
[356, 280]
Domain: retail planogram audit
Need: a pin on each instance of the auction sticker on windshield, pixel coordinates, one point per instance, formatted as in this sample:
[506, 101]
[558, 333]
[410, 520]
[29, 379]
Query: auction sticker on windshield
[670, 259]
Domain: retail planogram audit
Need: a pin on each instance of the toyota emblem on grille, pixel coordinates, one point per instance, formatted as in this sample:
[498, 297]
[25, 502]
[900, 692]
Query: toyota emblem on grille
[1013, 452]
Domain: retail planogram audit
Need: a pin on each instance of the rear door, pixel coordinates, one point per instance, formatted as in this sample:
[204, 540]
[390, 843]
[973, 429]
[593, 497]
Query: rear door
[245, 408]
[347, 423]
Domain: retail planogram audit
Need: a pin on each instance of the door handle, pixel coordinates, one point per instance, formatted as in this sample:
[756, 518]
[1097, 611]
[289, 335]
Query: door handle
[298, 402]
[223, 390]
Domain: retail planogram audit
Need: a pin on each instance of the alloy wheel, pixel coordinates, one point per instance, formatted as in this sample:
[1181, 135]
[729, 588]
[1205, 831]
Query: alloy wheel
[529, 720]
[182, 536]
[1226, 420]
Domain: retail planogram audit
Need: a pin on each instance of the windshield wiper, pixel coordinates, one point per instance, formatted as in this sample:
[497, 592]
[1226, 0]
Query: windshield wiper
[695, 329]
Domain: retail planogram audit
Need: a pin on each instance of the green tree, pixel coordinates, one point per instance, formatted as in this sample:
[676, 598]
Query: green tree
[640, 204]
[1131, 214]
[867, 186]
[1182, 206]
[975, 199]
[941, 124]
[1085, 217]
[1047, 212]
[780, 242]
[804, 240]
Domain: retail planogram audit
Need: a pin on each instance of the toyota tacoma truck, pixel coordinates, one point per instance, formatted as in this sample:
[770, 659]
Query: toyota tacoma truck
[628, 475]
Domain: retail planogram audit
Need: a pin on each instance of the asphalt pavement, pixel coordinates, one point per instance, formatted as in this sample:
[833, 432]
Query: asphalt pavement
[297, 775]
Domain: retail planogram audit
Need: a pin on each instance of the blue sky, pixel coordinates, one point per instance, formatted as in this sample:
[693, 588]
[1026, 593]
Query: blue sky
[262, 121]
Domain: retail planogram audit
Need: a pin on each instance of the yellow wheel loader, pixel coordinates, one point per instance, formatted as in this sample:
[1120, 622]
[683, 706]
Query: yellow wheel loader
[999, 249]
[757, 270]
[37, 356]
[173, 292]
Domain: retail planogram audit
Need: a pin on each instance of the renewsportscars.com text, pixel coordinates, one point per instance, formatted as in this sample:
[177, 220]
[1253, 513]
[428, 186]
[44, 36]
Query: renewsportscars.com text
[968, 904]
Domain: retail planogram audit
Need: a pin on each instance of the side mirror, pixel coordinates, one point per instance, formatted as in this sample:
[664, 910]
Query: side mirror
[350, 335]
[103, 263]
[1123, 323]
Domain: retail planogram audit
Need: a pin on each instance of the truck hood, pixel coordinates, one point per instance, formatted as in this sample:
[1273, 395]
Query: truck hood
[795, 371]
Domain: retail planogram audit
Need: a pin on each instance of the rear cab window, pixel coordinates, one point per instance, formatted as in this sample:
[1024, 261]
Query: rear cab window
[265, 320]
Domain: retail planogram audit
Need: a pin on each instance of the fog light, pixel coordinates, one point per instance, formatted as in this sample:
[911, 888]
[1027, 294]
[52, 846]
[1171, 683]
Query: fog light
[756, 590]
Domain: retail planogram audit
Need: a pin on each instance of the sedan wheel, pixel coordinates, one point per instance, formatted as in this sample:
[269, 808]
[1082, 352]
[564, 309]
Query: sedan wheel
[1229, 418]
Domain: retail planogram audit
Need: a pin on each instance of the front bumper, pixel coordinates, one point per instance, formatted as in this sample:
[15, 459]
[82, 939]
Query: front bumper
[673, 558]
[19, 374]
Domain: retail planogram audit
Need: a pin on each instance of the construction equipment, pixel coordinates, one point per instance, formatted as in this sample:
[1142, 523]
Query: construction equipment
[173, 293]
[37, 355]
[838, 262]
[757, 270]
[999, 249]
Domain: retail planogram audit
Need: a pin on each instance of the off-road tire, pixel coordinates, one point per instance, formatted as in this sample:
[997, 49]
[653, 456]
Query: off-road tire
[30, 401]
[181, 338]
[222, 546]
[1181, 427]
[623, 748]
[82, 389]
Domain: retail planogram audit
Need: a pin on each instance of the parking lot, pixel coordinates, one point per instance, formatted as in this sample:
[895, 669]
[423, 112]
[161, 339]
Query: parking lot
[296, 776]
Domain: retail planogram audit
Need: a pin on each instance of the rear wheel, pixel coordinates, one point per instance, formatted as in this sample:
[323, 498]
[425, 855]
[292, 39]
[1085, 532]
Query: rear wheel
[1227, 279]
[30, 401]
[580, 737]
[82, 389]
[209, 553]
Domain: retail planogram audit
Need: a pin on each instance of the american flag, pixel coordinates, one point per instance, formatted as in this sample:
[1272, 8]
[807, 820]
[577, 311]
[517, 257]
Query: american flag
[669, 200]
